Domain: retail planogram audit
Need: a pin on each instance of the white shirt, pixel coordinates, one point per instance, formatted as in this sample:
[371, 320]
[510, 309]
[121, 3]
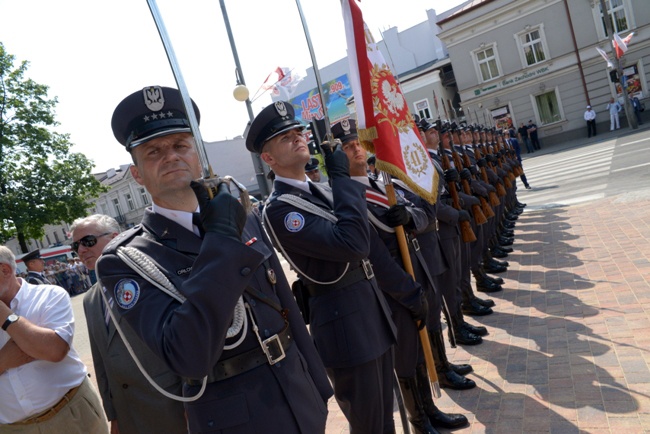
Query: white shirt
[590, 115]
[38, 385]
[614, 108]
[183, 218]
[303, 185]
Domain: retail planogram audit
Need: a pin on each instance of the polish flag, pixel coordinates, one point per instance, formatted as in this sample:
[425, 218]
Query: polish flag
[620, 45]
[385, 124]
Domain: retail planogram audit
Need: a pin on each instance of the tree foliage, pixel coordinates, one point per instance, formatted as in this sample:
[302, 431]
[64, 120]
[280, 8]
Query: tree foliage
[41, 181]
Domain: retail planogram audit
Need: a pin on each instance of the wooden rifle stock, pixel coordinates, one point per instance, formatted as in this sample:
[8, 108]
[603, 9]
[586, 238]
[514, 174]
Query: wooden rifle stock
[477, 212]
[485, 206]
[465, 227]
[507, 181]
[494, 197]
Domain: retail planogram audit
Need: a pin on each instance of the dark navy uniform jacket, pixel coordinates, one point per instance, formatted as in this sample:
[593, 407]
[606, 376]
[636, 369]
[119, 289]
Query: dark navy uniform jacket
[212, 274]
[352, 325]
[36, 278]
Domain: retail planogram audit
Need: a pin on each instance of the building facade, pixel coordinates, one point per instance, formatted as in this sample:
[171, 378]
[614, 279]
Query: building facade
[516, 61]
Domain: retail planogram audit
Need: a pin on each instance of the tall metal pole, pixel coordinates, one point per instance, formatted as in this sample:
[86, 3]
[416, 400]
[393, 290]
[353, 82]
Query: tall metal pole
[319, 85]
[631, 119]
[260, 173]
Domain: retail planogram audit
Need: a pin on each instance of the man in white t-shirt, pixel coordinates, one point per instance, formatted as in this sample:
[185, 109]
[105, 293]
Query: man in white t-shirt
[590, 118]
[43, 384]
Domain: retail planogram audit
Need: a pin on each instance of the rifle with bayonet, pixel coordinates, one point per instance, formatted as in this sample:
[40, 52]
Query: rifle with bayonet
[465, 176]
[465, 227]
[482, 164]
[485, 206]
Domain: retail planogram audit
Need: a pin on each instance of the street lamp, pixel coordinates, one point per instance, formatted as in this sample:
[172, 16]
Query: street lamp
[241, 94]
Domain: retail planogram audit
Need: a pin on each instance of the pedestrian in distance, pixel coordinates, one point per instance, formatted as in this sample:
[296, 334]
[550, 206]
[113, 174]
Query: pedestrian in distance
[636, 106]
[590, 118]
[614, 108]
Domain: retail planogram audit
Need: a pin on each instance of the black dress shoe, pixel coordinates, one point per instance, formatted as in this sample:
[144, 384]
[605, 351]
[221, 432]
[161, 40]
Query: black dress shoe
[461, 369]
[521, 205]
[451, 380]
[497, 262]
[487, 302]
[465, 337]
[499, 253]
[511, 216]
[508, 224]
[497, 280]
[515, 211]
[475, 309]
[506, 233]
[487, 284]
[477, 330]
[445, 420]
[505, 241]
[493, 268]
[506, 249]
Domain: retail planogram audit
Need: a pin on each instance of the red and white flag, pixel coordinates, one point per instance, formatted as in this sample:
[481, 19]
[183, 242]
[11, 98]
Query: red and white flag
[620, 44]
[384, 121]
[282, 82]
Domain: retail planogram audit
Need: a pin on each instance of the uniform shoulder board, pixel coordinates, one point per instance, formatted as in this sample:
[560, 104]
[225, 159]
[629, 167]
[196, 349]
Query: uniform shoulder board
[122, 238]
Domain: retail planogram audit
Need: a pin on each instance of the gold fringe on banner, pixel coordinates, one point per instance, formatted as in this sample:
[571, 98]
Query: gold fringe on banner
[429, 196]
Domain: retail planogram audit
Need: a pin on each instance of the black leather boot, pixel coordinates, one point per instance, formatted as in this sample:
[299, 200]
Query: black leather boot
[505, 249]
[436, 417]
[477, 330]
[472, 308]
[484, 302]
[498, 263]
[483, 284]
[413, 403]
[447, 377]
[462, 335]
[498, 252]
[497, 280]
[503, 241]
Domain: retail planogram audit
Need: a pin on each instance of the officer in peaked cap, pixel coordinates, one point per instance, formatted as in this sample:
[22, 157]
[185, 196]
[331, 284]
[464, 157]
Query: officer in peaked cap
[312, 170]
[345, 303]
[273, 120]
[345, 130]
[154, 111]
[261, 366]
[35, 266]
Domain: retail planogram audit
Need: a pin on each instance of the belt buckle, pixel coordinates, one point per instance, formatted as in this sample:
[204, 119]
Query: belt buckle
[273, 343]
[416, 244]
[367, 268]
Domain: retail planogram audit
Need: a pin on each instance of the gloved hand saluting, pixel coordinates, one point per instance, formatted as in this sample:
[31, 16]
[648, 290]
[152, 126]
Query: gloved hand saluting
[223, 214]
[397, 215]
[336, 161]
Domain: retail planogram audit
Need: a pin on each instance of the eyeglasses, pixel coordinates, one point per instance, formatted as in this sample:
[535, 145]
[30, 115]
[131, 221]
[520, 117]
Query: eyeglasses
[87, 241]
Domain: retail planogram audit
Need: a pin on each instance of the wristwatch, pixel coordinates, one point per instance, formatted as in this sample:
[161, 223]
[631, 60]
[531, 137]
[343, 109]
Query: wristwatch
[10, 320]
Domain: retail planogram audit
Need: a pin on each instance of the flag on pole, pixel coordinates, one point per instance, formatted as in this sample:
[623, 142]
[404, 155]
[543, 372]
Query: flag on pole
[385, 124]
[282, 82]
[620, 45]
[605, 56]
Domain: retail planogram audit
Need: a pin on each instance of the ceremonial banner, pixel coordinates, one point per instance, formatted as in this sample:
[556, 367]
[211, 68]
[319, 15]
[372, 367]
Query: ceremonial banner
[384, 122]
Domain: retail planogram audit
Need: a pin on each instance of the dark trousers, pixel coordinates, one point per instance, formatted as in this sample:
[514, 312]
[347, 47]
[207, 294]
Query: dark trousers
[365, 395]
[591, 127]
[535, 142]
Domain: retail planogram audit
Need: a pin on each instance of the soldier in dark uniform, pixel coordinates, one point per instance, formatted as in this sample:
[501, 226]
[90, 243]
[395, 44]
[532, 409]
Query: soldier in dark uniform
[324, 234]
[409, 363]
[205, 291]
[35, 266]
[312, 170]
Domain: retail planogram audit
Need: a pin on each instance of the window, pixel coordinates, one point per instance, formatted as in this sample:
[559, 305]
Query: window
[56, 237]
[65, 234]
[532, 44]
[104, 208]
[548, 109]
[143, 196]
[129, 201]
[49, 243]
[422, 109]
[617, 16]
[486, 60]
[118, 208]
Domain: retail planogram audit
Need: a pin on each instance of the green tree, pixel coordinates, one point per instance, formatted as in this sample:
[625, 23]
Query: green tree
[41, 181]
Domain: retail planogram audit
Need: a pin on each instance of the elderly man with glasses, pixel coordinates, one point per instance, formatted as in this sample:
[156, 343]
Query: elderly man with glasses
[131, 404]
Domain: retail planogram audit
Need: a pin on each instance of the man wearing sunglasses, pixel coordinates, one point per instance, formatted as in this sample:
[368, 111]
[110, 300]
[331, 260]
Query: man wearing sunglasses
[199, 283]
[131, 404]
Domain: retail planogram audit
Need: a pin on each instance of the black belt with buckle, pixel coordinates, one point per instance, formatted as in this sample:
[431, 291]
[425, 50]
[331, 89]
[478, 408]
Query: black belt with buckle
[362, 272]
[273, 351]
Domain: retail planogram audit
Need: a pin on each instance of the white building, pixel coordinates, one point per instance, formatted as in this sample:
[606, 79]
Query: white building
[537, 60]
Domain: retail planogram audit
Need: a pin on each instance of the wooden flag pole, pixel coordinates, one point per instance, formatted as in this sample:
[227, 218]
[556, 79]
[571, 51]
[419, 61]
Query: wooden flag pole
[408, 266]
